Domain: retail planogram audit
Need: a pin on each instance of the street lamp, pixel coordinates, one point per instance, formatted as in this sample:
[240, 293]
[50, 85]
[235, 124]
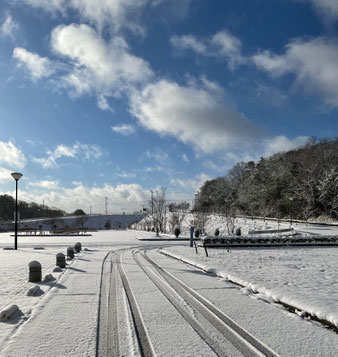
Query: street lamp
[291, 199]
[16, 176]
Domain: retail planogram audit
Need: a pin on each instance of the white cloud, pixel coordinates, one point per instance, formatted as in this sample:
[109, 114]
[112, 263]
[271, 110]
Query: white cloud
[36, 66]
[11, 155]
[114, 14]
[45, 184]
[98, 66]
[185, 157]
[228, 46]
[282, 143]
[218, 167]
[222, 45]
[189, 42]
[125, 175]
[5, 175]
[81, 196]
[191, 184]
[194, 114]
[312, 62]
[327, 8]
[77, 151]
[48, 5]
[124, 129]
[103, 104]
[160, 156]
[9, 27]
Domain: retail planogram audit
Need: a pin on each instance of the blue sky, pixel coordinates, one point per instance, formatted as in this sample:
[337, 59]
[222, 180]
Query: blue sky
[116, 98]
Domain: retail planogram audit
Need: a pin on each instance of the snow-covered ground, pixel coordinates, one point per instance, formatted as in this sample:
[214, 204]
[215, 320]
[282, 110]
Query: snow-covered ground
[61, 319]
[41, 327]
[246, 224]
[306, 278]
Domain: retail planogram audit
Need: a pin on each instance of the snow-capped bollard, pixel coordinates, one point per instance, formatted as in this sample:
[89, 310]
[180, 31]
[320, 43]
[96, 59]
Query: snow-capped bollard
[8, 312]
[61, 260]
[34, 271]
[70, 253]
[34, 290]
[77, 247]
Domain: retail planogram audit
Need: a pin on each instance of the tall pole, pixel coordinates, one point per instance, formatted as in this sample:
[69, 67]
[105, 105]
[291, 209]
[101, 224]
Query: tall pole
[105, 201]
[16, 216]
[16, 176]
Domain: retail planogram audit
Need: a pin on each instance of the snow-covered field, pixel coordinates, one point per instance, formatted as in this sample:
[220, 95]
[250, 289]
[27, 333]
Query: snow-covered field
[304, 277]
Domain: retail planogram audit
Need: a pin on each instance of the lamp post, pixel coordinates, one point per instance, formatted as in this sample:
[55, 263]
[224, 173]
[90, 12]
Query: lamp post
[291, 199]
[16, 176]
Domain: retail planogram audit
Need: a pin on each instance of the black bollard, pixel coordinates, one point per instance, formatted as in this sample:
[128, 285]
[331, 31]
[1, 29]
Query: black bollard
[61, 260]
[77, 247]
[34, 271]
[70, 253]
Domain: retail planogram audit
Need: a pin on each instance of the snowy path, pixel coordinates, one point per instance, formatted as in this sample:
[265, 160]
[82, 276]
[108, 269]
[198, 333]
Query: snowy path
[50, 328]
[159, 303]
[184, 312]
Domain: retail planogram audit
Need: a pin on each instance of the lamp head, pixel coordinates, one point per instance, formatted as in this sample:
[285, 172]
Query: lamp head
[16, 176]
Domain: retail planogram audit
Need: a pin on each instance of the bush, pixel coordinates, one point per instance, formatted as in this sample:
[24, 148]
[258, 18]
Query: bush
[107, 225]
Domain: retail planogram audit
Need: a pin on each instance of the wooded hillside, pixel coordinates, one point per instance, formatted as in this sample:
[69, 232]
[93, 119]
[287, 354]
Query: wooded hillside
[301, 182]
[27, 210]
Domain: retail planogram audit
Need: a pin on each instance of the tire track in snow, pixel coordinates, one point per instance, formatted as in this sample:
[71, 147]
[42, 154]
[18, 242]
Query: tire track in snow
[177, 303]
[144, 342]
[246, 343]
[108, 343]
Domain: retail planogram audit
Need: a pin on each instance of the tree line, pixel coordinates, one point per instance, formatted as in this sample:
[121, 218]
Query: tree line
[27, 210]
[302, 182]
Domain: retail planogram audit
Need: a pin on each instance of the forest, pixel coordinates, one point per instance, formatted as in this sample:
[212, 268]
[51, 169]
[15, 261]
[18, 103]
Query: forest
[302, 182]
[27, 210]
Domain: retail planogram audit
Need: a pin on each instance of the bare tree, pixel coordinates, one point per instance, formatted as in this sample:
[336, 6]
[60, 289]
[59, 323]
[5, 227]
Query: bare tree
[177, 214]
[158, 209]
[199, 221]
[230, 220]
[176, 219]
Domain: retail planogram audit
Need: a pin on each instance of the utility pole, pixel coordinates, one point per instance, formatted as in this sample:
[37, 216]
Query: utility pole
[106, 203]
[90, 209]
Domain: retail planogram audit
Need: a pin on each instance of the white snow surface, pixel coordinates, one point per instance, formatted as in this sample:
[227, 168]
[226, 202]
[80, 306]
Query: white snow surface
[61, 320]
